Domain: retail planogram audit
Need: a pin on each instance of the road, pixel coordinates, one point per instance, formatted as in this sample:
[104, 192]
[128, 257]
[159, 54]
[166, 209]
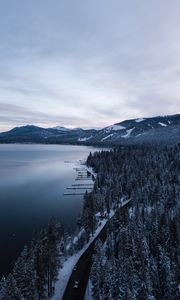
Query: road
[84, 267]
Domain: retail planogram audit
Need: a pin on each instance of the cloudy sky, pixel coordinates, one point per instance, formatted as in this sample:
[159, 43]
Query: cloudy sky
[88, 63]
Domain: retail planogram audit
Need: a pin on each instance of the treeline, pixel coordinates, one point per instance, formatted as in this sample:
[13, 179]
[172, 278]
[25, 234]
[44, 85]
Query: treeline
[35, 271]
[141, 257]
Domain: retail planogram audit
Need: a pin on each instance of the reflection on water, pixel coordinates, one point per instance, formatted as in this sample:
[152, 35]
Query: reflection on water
[33, 179]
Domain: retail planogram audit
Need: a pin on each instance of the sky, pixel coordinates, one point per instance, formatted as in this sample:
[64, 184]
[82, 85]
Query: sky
[88, 63]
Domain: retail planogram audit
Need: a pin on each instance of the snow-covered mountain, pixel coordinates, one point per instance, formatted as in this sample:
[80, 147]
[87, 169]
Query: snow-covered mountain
[61, 128]
[162, 128]
[35, 134]
[142, 129]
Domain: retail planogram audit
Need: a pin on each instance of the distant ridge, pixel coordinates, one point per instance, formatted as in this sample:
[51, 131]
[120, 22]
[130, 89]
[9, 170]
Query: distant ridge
[155, 129]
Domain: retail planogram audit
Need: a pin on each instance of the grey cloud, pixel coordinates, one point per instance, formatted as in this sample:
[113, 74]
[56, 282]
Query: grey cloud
[19, 116]
[91, 62]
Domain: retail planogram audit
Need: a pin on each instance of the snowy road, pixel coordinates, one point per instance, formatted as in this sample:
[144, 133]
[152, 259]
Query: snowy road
[83, 267]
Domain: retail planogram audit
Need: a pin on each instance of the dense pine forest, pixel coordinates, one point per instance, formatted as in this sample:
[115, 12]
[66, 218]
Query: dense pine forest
[35, 271]
[140, 258]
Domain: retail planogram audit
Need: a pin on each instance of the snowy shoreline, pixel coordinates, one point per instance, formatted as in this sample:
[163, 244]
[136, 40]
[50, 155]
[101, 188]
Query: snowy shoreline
[66, 270]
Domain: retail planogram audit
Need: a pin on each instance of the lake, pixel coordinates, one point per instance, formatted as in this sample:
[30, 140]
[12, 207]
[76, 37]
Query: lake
[33, 179]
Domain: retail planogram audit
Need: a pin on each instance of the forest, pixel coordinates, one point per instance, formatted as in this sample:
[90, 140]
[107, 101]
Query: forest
[140, 258]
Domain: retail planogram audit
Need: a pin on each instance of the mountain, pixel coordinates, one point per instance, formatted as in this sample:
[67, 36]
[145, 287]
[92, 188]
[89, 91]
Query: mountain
[60, 128]
[34, 134]
[156, 129]
[161, 128]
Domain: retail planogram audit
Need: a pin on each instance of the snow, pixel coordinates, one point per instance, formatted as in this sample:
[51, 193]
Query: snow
[75, 240]
[61, 128]
[84, 139]
[80, 233]
[90, 170]
[128, 133]
[115, 128]
[139, 120]
[87, 168]
[88, 295]
[66, 270]
[131, 212]
[68, 246]
[124, 202]
[139, 134]
[162, 124]
[107, 137]
[98, 214]
[148, 209]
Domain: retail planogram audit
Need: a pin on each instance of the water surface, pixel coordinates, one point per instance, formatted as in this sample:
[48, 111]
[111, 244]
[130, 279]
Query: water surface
[33, 179]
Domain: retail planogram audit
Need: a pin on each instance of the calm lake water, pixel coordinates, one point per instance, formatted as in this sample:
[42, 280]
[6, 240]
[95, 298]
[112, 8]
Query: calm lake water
[33, 179]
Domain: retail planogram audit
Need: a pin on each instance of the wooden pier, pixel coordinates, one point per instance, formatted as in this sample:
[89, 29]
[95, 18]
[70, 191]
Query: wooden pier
[73, 194]
[79, 188]
[83, 175]
[83, 184]
[83, 179]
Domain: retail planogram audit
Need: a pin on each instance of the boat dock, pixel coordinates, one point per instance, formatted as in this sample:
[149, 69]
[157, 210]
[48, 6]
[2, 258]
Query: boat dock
[84, 175]
[73, 194]
[79, 188]
[83, 184]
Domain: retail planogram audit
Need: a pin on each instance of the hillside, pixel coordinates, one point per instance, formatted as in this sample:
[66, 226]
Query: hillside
[34, 134]
[164, 128]
[156, 129]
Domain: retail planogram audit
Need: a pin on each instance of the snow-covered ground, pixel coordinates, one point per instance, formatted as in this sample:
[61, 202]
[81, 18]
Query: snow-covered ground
[66, 270]
[90, 170]
[88, 295]
[84, 139]
[162, 124]
[139, 120]
[128, 133]
[115, 127]
[107, 137]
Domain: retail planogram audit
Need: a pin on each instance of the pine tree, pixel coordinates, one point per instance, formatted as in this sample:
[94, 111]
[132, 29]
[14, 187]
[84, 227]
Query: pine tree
[53, 257]
[10, 290]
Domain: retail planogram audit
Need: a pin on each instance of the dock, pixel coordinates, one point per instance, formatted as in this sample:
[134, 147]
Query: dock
[83, 174]
[79, 188]
[83, 184]
[83, 179]
[73, 194]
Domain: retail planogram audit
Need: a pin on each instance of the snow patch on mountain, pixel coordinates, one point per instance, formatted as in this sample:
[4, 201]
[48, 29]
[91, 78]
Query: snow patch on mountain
[84, 139]
[107, 137]
[60, 128]
[139, 120]
[128, 133]
[115, 127]
[162, 124]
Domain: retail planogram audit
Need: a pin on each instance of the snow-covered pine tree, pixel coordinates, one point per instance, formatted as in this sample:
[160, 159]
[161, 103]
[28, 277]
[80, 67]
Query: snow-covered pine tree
[53, 255]
[10, 290]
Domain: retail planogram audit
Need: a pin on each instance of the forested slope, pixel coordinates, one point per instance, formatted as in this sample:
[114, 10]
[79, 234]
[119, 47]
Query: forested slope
[141, 256]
